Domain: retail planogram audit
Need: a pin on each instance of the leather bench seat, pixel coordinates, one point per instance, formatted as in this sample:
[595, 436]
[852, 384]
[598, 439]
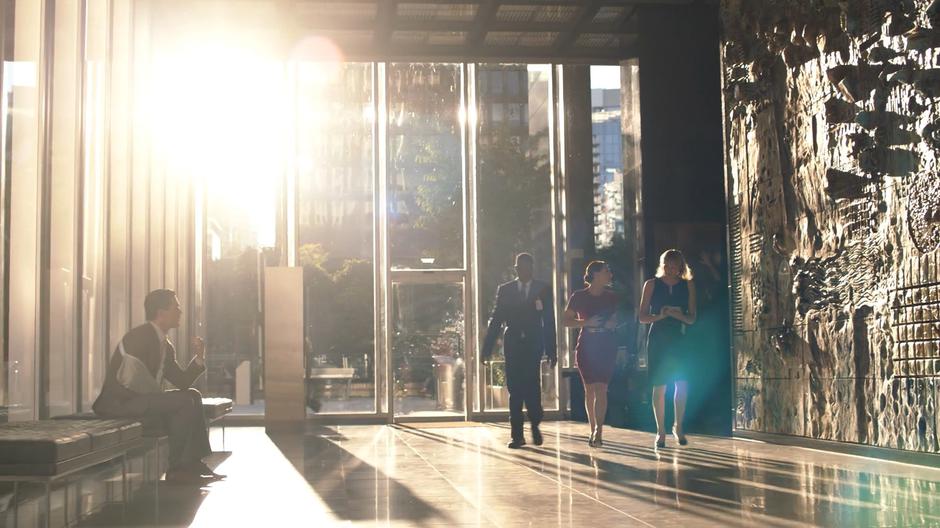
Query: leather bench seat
[215, 408]
[46, 443]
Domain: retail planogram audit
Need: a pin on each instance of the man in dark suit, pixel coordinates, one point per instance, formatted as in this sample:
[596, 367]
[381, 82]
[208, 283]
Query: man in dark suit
[526, 309]
[133, 387]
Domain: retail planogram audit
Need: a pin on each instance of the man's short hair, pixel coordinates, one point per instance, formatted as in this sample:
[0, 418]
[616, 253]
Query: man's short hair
[525, 257]
[158, 300]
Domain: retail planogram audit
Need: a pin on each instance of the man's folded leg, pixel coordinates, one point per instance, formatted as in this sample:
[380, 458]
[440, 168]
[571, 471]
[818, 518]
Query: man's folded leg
[189, 436]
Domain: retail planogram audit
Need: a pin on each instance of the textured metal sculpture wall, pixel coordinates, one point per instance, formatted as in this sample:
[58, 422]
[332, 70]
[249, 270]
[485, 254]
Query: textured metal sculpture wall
[832, 128]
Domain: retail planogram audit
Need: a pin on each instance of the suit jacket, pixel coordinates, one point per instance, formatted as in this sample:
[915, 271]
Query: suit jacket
[142, 342]
[522, 317]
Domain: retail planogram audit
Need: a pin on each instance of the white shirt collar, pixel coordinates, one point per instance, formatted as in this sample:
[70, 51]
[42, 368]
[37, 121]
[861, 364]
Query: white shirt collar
[161, 335]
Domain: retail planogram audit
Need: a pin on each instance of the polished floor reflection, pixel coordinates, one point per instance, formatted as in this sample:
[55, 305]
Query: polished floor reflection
[445, 475]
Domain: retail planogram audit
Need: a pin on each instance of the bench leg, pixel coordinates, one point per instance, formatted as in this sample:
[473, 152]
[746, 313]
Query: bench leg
[48, 519]
[156, 481]
[124, 485]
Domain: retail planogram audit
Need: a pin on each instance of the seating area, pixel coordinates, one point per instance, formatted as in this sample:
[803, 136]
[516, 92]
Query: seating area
[47, 451]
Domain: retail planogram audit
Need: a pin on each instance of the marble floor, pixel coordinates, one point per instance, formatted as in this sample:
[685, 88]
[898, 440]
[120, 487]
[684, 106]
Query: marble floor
[440, 475]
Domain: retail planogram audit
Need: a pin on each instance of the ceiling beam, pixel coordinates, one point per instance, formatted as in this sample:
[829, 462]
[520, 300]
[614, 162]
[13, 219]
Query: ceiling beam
[426, 53]
[585, 16]
[486, 14]
[511, 2]
[472, 27]
[387, 12]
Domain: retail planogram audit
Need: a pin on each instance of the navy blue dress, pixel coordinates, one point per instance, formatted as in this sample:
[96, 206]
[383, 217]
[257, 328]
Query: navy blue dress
[666, 347]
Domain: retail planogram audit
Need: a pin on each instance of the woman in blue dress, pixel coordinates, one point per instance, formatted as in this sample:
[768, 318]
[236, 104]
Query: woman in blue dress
[668, 306]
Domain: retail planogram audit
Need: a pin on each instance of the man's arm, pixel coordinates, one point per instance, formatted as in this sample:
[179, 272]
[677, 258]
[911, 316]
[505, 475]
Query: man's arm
[183, 379]
[497, 318]
[548, 324]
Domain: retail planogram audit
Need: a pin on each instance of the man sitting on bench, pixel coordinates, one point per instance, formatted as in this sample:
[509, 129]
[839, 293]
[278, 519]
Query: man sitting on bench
[133, 388]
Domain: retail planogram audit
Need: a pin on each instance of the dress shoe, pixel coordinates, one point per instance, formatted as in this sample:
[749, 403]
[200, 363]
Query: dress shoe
[206, 471]
[516, 444]
[537, 435]
[186, 476]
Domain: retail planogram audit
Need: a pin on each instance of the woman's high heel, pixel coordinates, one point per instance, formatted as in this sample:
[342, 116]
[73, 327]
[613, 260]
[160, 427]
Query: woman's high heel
[591, 440]
[679, 438]
[598, 441]
[660, 441]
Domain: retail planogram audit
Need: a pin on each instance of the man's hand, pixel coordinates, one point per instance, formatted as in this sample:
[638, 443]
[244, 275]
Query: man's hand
[485, 360]
[198, 348]
[552, 361]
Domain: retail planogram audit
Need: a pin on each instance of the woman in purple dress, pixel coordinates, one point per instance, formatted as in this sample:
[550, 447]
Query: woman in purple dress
[594, 311]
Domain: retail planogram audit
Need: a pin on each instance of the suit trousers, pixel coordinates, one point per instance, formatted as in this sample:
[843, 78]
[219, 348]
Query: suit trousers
[523, 379]
[179, 414]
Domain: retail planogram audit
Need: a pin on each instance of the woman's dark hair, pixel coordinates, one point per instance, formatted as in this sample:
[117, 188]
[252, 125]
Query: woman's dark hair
[593, 267]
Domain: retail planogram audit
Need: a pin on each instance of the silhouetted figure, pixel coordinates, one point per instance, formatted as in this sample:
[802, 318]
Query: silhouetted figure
[525, 307]
[594, 311]
[668, 305]
[133, 387]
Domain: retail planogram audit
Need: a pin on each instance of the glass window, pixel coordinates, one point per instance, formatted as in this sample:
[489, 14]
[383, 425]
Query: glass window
[22, 22]
[608, 170]
[119, 197]
[334, 142]
[94, 170]
[63, 240]
[514, 197]
[425, 167]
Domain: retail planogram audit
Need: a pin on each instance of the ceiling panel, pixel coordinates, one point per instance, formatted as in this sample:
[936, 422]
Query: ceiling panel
[566, 30]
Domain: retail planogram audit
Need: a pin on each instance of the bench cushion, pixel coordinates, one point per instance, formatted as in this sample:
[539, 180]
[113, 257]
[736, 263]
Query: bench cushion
[52, 441]
[216, 407]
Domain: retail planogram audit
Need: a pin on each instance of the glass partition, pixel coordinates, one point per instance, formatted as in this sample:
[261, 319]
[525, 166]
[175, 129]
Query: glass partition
[425, 166]
[513, 196]
[608, 156]
[21, 171]
[63, 186]
[335, 180]
[94, 206]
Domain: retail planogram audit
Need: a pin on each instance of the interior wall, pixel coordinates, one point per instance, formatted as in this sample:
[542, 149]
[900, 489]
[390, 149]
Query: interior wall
[682, 193]
[835, 217]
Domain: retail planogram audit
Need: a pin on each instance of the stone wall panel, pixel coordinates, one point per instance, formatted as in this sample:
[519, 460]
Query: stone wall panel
[832, 134]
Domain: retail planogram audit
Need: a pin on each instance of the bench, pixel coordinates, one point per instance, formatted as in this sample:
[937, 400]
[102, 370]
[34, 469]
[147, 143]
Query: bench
[333, 373]
[48, 450]
[215, 409]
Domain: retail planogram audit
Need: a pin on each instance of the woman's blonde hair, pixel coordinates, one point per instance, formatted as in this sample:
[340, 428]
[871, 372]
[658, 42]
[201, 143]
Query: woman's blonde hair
[675, 256]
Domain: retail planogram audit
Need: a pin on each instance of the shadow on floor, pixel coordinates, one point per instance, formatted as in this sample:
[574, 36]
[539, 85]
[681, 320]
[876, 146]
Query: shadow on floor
[157, 504]
[352, 489]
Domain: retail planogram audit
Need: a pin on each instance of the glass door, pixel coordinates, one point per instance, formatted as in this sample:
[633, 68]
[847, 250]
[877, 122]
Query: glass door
[427, 346]
[426, 230]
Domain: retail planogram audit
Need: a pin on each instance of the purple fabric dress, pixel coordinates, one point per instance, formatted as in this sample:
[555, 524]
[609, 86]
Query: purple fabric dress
[596, 352]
